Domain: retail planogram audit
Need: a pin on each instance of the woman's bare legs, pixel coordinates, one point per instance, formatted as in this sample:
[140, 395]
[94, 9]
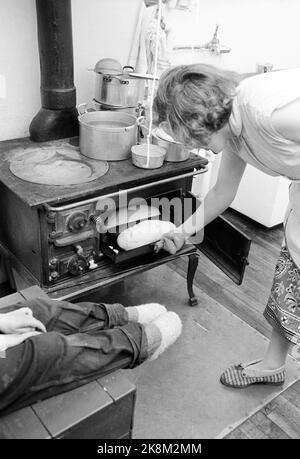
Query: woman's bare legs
[276, 353]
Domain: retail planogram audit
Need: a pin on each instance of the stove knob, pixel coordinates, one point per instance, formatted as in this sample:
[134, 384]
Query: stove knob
[77, 221]
[53, 264]
[77, 265]
[54, 275]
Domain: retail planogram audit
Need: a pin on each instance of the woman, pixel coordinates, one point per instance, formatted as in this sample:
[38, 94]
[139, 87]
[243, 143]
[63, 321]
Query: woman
[252, 121]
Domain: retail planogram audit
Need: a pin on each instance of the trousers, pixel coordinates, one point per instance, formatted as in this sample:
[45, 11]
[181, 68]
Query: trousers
[83, 342]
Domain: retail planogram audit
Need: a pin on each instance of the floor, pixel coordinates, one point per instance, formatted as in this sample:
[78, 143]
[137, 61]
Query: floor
[179, 395]
[279, 418]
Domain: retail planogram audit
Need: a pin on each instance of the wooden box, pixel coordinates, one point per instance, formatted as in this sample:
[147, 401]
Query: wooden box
[102, 409]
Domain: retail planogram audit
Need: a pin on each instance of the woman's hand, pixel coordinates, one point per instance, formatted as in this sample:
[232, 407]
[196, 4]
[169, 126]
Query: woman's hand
[171, 242]
[20, 321]
[7, 341]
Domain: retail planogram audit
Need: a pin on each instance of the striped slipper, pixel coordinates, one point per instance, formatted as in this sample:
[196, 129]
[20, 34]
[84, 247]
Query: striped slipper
[242, 375]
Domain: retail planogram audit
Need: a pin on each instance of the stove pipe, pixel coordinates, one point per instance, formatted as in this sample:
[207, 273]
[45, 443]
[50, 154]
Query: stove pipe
[57, 118]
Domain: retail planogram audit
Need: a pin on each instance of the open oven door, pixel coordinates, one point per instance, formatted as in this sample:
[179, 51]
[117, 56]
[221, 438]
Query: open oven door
[227, 247]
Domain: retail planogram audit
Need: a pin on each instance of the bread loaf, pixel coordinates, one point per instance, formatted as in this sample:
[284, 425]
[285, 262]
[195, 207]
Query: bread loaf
[130, 214]
[144, 233]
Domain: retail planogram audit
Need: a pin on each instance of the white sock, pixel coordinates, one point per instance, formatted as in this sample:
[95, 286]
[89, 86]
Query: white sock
[145, 313]
[168, 326]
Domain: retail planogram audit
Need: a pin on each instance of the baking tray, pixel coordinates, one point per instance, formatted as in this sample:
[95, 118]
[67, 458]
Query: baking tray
[110, 248]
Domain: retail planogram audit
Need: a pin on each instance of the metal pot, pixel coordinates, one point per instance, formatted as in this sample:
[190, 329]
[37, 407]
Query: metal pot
[175, 151]
[119, 90]
[107, 135]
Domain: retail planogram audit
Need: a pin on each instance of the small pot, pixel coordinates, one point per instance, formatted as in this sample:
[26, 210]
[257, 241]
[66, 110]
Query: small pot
[175, 151]
[107, 135]
[139, 156]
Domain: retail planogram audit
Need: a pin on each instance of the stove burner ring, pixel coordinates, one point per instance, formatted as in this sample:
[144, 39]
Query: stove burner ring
[61, 165]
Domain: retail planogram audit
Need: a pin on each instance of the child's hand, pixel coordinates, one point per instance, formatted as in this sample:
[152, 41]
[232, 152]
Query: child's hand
[19, 321]
[7, 341]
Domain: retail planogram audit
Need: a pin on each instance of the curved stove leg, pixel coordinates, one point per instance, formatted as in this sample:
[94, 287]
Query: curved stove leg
[193, 264]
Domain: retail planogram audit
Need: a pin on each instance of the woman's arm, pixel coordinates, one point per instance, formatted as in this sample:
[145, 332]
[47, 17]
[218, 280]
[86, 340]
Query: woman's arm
[215, 202]
[220, 196]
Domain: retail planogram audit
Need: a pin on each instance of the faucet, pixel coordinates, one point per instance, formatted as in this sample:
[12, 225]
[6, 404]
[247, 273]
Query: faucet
[213, 45]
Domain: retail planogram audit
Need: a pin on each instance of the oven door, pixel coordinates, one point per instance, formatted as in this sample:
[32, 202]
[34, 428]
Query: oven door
[227, 247]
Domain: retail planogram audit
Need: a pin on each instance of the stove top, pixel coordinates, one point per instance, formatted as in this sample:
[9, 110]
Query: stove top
[122, 174]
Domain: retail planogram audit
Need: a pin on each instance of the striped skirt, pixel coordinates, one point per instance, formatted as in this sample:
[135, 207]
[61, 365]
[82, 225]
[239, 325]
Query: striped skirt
[283, 307]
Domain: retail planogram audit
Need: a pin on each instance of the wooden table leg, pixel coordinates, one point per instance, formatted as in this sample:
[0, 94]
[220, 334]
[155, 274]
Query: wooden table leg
[193, 264]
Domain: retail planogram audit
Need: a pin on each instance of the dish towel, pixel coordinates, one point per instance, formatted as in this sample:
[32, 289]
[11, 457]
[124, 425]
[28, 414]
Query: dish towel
[142, 52]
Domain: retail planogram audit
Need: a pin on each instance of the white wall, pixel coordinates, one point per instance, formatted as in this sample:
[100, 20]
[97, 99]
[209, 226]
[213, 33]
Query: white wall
[101, 28]
[256, 30]
[19, 67]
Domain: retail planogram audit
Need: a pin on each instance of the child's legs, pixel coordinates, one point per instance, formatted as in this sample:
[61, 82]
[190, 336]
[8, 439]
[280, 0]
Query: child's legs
[68, 318]
[52, 363]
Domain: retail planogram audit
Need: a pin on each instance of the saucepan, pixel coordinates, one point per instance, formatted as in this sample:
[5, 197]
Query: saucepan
[107, 135]
[119, 86]
[175, 151]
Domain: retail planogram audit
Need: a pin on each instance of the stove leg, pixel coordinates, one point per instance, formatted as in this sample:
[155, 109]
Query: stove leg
[193, 264]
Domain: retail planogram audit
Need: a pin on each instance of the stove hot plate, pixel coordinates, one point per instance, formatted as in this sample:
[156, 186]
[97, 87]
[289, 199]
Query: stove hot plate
[60, 164]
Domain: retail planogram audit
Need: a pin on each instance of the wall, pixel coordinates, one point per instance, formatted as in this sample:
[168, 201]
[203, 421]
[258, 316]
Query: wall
[256, 30]
[101, 28]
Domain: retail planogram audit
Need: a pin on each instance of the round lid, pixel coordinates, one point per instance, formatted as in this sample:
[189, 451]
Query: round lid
[108, 65]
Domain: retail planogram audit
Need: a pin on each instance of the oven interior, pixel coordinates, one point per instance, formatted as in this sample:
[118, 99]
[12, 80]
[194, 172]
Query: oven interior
[173, 206]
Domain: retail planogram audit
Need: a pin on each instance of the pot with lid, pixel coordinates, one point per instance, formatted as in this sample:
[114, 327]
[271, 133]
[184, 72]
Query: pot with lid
[118, 86]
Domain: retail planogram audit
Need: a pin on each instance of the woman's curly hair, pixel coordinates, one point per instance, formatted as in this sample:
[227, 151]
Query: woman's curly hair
[196, 100]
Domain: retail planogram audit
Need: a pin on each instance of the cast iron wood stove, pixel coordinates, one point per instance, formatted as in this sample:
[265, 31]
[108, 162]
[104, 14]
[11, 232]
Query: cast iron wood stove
[48, 233]
[49, 237]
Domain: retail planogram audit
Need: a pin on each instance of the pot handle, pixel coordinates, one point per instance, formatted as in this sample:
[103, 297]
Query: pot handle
[139, 120]
[140, 134]
[81, 108]
[108, 78]
[137, 123]
[128, 67]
